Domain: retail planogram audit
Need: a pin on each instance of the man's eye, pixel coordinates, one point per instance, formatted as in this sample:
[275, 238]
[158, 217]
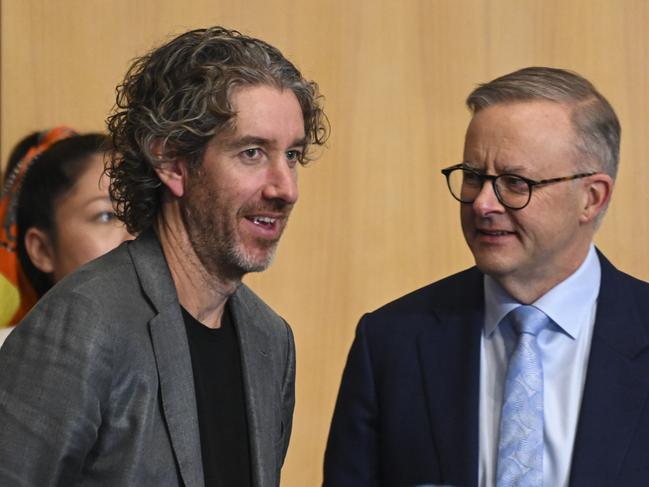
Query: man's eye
[251, 153]
[294, 155]
[470, 178]
[514, 184]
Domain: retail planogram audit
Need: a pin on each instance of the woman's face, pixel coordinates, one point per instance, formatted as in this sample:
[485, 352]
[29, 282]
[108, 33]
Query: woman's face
[86, 226]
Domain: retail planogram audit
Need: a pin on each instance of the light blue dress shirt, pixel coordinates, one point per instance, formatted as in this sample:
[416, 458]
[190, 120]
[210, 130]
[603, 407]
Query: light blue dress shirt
[565, 347]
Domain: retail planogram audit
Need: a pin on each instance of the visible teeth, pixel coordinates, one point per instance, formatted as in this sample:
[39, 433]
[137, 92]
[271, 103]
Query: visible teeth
[263, 219]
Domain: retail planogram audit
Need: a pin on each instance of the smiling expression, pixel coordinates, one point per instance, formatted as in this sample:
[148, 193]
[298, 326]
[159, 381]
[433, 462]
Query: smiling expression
[238, 200]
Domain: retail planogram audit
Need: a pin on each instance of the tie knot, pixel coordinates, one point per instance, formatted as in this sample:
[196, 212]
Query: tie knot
[528, 319]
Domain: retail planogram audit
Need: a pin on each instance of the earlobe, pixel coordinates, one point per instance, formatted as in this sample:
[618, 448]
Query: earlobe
[40, 250]
[599, 188]
[172, 174]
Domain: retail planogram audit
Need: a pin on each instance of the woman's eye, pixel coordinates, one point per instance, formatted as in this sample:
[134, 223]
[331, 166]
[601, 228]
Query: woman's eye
[105, 217]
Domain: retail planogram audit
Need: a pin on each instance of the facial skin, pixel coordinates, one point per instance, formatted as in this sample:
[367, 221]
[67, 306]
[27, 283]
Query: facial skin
[237, 203]
[86, 226]
[531, 250]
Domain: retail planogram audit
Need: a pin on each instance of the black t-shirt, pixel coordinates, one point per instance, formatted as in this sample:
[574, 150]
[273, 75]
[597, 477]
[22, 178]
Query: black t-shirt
[216, 363]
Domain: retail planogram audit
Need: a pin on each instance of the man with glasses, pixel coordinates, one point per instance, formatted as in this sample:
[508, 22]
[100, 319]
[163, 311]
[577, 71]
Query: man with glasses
[531, 368]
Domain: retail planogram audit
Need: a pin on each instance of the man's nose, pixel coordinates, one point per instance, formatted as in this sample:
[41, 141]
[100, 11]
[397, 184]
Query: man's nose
[281, 181]
[486, 201]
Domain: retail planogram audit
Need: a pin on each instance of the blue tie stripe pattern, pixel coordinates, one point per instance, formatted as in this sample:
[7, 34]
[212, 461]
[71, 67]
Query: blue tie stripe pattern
[520, 449]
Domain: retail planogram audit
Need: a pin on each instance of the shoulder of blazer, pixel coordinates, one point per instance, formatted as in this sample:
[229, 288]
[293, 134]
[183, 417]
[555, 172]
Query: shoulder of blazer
[110, 282]
[613, 278]
[453, 293]
[622, 297]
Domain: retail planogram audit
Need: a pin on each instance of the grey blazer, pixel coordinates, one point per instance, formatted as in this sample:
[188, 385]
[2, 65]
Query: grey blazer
[96, 383]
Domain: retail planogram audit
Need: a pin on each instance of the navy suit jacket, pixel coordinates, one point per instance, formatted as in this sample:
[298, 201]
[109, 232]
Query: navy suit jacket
[407, 411]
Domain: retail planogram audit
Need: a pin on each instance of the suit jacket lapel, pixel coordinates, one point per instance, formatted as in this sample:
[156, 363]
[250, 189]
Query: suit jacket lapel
[617, 383]
[449, 353]
[172, 356]
[260, 388]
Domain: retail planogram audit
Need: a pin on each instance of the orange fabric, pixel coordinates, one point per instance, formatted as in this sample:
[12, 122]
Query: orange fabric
[12, 310]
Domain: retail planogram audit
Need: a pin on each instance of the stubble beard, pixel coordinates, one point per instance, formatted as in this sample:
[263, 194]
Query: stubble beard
[212, 233]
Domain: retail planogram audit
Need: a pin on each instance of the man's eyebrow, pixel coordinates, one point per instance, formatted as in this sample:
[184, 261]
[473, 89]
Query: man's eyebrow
[301, 142]
[248, 140]
[505, 169]
[514, 169]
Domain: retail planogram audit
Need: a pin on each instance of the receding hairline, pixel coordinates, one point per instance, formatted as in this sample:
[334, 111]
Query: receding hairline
[575, 107]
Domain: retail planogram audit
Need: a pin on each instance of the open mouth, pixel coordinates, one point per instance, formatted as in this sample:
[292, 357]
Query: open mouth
[263, 221]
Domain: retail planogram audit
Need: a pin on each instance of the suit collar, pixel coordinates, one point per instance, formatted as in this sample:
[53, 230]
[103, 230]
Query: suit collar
[172, 356]
[152, 270]
[260, 388]
[449, 355]
[617, 383]
[176, 375]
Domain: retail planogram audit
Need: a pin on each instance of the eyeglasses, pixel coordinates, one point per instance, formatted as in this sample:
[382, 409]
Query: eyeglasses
[513, 191]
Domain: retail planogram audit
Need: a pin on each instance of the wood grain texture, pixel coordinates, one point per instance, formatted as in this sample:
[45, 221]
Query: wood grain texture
[375, 219]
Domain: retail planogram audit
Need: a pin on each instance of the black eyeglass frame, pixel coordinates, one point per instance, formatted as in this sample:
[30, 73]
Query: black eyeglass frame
[531, 183]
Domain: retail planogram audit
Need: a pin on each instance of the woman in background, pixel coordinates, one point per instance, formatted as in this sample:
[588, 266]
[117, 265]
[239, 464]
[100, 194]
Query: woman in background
[63, 213]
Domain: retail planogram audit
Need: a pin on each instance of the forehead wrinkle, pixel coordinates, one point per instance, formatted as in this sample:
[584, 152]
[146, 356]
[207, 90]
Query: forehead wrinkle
[491, 152]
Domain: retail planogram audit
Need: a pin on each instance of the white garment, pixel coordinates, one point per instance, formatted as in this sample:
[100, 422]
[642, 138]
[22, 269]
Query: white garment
[4, 333]
[565, 348]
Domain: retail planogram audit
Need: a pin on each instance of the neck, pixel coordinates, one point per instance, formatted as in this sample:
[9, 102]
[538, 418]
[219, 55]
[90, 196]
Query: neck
[200, 292]
[527, 289]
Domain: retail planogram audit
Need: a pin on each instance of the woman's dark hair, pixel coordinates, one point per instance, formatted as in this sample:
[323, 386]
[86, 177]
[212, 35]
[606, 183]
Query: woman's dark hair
[20, 149]
[50, 177]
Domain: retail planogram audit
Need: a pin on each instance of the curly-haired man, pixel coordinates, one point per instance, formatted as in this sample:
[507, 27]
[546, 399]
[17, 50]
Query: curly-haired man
[155, 365]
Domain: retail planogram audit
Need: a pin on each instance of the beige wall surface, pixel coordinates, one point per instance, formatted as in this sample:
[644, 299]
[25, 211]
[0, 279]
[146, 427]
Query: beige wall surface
[375, 219]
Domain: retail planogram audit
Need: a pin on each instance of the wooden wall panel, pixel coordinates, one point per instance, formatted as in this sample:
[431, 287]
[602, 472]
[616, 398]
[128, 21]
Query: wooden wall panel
[375, 219]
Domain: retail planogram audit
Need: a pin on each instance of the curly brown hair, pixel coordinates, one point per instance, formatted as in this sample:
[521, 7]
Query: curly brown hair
[177, 97]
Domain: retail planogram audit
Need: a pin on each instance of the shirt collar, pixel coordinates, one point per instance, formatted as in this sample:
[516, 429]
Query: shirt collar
[564, 304]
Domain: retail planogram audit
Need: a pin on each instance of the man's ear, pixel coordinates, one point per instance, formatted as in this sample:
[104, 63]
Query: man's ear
[597, 196]
[173, 175]
[40, 250]
[172, 172]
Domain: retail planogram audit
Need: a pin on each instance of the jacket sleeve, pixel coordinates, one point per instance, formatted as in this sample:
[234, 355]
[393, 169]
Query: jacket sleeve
[54, 371]
[351, 457]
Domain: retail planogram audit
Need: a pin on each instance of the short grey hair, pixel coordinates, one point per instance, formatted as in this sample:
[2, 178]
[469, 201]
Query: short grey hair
[594, 120]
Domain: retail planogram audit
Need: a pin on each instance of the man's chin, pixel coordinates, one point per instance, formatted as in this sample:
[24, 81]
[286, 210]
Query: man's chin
[257, 261]
[492, 265]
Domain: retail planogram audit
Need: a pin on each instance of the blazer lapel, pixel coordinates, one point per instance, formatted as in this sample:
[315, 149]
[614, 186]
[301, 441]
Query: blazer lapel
[617, 383]
[172, 356]
[260, 389]
[449, 353]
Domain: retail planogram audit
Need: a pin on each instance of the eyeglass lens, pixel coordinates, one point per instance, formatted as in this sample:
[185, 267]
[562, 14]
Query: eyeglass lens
[511, 190]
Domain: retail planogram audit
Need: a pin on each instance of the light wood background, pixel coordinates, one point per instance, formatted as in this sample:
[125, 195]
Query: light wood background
[375, 219]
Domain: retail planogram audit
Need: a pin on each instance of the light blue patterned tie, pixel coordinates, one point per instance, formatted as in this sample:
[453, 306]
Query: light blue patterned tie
[520, 449]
